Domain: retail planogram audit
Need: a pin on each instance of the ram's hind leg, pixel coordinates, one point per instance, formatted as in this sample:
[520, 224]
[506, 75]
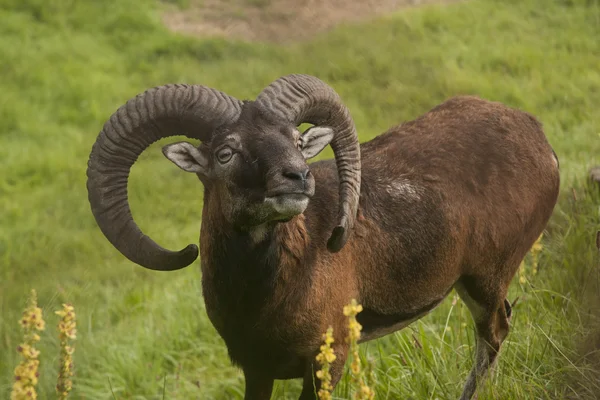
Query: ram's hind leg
[491, 312]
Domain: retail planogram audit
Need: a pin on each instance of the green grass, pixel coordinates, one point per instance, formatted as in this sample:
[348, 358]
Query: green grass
[66, 66]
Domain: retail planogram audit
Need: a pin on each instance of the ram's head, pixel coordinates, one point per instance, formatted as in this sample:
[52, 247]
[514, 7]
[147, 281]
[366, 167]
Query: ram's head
[255, 167]
[252, 157]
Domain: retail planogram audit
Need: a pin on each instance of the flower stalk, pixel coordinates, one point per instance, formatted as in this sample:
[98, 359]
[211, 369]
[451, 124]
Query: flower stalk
[67, 332]
[534, 253]
[363, 390]
[26, 373]
[326, 357]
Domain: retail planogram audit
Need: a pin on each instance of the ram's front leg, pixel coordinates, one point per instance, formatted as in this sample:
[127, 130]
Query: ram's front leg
[312, 384]
[258, 386]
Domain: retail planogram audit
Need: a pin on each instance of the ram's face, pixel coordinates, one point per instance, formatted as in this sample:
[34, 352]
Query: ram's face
[255, 169]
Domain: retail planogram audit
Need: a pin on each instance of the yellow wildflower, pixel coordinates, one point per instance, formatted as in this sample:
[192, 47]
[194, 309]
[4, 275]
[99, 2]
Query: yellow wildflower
[26, 373]
[67, 331]
[522, 276]
[370, 394]
[364, 392]
[354, 329]
[536, 249]
[534, 252]
[325, 358]
[352, 309]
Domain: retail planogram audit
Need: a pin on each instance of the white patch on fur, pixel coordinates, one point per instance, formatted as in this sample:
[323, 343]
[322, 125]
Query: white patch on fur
[378, 333]
[258, 233]
[403, 188]
[475, 308]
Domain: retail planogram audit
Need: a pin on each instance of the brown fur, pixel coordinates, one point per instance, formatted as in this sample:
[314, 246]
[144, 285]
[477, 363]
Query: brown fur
[453, 199]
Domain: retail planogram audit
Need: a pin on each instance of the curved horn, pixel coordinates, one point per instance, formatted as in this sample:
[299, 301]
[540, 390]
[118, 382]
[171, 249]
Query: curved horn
[304, 98]
[191, 110]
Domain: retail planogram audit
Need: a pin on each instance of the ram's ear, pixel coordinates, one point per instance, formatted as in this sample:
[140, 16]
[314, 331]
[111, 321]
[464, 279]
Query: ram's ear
[314, 140]
[187, 157]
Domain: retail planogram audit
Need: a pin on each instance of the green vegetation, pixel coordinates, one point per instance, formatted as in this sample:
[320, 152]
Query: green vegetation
[65, 66]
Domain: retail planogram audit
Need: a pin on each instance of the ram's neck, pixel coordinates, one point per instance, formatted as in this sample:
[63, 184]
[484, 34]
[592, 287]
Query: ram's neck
[291, 242]
[250, 274]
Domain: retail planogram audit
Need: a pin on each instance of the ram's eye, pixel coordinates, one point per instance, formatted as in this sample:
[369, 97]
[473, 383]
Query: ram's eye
[224, 155]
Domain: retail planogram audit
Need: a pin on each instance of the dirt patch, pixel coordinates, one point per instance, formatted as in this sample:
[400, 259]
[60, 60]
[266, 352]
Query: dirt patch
[276, 21]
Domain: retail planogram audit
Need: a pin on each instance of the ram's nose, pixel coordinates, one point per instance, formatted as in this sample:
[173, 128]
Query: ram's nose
[296, 174]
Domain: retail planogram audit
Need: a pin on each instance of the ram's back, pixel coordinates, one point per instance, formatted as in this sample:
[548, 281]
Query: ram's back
[464, 189]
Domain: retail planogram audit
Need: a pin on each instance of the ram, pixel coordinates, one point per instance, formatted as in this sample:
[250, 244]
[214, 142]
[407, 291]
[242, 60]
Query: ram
[453, 199]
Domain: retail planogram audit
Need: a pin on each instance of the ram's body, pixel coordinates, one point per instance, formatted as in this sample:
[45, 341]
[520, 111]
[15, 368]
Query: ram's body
[451, 200]
[452, 197]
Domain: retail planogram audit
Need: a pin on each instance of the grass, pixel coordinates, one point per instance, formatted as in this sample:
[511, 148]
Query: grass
[66, 66]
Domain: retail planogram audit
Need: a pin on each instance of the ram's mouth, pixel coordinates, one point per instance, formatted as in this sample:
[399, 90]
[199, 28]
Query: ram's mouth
[289, 192]
[288, 205]
[293, 195]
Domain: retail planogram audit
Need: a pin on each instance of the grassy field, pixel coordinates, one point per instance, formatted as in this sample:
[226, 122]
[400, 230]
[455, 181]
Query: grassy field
[65, 66]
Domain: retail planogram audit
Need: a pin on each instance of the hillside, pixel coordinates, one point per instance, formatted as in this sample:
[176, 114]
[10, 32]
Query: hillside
[277, 21]
[66, 66]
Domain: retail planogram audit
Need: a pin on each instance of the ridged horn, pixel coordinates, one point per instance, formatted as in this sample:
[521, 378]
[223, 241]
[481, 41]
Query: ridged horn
[304, 98]
[190, 110]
